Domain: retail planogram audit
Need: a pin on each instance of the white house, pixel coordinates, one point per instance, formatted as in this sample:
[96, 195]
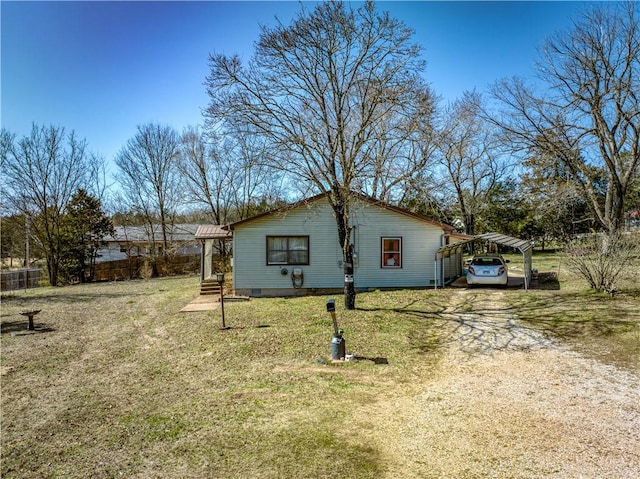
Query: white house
[295, 250]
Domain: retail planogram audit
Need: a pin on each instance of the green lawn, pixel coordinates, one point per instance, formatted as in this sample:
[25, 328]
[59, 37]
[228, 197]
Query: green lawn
[116, 382]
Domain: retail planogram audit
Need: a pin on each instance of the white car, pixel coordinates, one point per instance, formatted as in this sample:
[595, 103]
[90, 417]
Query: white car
[488, 269]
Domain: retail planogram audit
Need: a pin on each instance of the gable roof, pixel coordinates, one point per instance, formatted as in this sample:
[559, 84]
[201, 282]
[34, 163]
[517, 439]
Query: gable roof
[362, 197]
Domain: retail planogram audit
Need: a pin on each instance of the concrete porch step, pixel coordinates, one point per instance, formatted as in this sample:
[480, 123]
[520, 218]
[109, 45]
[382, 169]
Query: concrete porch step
[209, 288]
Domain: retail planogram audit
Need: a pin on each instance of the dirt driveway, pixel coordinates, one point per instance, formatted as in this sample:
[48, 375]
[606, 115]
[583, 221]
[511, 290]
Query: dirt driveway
[508, 402]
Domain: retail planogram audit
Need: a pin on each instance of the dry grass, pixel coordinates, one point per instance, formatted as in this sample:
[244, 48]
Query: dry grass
[116, 382]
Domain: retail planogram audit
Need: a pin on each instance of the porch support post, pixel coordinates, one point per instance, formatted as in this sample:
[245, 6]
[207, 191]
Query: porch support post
[202, 260]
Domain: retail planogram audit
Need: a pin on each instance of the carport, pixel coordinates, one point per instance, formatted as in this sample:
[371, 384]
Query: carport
[449, 259]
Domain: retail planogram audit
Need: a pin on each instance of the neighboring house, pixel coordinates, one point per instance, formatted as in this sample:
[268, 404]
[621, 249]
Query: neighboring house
[294, 250]
[137, 241]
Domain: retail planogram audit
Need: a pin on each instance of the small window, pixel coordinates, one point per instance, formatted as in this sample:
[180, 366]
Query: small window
[391, 252]
[287, 250]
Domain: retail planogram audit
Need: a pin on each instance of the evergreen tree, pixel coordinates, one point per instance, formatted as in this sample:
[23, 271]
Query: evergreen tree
[84, 228]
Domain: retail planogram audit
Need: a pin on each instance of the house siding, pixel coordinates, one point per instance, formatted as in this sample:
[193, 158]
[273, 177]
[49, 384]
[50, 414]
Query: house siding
[420, 242]
[252, 275]
[250, 269]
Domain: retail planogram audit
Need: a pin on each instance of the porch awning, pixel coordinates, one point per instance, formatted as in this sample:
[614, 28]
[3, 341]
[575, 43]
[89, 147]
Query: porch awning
[212, 232]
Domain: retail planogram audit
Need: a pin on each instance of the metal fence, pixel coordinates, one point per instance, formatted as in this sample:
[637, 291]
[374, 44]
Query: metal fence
[20, 279]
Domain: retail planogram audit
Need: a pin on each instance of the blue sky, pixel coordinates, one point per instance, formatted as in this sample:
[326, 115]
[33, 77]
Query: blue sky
[102, 68]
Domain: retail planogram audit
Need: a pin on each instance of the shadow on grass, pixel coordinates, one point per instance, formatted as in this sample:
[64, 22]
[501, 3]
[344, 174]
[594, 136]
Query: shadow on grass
[377, 360]
[547, 281]
[67, 298]
[518, 322]
[21, 328]
[241, 328]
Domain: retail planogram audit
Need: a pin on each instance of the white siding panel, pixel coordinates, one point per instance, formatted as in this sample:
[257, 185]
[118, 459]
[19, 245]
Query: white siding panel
[420, 241]
[250, 256]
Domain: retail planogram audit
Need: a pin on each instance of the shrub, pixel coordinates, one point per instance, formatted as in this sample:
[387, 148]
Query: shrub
[603, 259]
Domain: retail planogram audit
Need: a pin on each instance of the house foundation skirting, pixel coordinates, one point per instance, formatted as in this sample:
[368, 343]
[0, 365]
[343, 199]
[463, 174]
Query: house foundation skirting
[287, 292]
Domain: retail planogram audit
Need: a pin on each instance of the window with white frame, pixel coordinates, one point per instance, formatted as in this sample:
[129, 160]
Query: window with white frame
[287, 250]
[391, 252]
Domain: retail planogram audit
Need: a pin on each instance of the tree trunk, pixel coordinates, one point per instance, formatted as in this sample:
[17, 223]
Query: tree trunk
[615, 206]
[52, 269]
[349, 285]
[470, 225]
[341, 209]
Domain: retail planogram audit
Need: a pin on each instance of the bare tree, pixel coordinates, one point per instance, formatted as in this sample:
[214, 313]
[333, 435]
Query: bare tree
[255, 184]
[589, 117]
[470, 156]
[339, 101]
[41, 173]
[150, 180]
[226, 176]
[207, 171]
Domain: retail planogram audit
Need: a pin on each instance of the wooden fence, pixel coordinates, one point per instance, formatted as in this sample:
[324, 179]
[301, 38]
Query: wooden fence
[142, 267]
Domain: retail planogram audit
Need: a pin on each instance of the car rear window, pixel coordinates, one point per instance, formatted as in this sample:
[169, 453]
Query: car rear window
[486, 262]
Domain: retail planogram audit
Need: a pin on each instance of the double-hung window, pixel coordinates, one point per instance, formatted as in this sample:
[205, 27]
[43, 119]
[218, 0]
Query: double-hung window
[287, 250]
[391, 252]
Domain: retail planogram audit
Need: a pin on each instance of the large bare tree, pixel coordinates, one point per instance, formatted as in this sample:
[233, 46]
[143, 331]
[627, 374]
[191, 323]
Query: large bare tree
[470, 156]
[40, 174]
[338, 98]
[588, 117]
[150, 181]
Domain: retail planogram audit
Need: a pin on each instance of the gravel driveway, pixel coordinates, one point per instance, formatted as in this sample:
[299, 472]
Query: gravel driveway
[508, 402]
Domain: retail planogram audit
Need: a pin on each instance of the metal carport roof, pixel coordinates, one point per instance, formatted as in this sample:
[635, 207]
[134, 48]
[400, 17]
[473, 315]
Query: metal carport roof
[517, 243]
[521, 245]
